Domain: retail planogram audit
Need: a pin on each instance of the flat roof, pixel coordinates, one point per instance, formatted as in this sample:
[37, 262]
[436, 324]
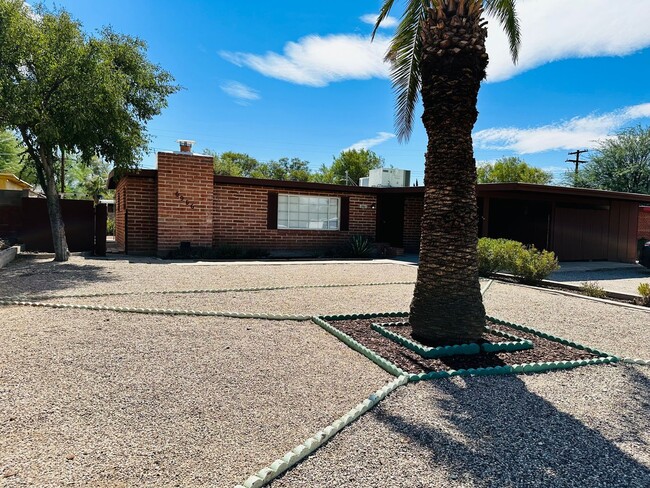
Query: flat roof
[483, 189]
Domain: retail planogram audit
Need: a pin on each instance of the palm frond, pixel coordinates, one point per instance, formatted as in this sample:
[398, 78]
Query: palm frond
[405, 55]
[506, 14]
[383, 13]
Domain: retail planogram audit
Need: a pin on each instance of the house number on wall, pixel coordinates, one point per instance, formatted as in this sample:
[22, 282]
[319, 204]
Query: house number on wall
[183, 198]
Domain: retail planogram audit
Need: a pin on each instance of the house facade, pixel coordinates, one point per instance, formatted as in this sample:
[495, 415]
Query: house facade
[184, 203]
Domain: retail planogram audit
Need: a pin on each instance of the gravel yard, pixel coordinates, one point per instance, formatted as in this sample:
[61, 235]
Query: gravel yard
[113, 399]
[560, 429]
[28, 276]
[618, 330]
[308, 301]
[108, 399]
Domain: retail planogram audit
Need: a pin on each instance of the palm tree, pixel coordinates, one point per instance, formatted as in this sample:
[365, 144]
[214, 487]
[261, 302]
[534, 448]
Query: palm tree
[438, 52]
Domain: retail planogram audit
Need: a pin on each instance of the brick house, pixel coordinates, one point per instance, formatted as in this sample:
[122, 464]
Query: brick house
[184, 202]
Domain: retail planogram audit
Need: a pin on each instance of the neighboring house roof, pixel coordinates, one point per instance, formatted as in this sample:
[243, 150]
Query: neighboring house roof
[10, 181]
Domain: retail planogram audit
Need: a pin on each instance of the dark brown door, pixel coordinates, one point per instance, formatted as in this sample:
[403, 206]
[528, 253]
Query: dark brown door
[580, 234]
[390, 219]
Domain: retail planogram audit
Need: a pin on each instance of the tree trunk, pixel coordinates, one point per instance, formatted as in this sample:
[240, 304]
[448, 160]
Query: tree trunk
[447, 306]
[59, 241]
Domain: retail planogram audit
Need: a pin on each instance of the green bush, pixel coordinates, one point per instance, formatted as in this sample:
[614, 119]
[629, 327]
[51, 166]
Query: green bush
[110, 227]
[532, 265]
[526, 263]
[496, 255]
[644, 291]
[591, 289]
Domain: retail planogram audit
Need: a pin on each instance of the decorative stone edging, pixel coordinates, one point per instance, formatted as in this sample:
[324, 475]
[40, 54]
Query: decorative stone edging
[383, 363]
[514, 344]
[603, 358]
[214, 290]
[579, 295]
[159, 311]
[641, 362]
[422, 350]
[298, 453]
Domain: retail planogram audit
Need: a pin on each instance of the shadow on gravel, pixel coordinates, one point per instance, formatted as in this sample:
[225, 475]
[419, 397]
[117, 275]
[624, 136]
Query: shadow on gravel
[507, 436]
[28, 278]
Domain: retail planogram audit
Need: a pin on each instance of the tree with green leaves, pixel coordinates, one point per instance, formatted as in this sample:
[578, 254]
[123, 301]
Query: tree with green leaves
[621, 163]
[512, 170]
[87, 180]
[13, 160]
[233, 163]
[438, 53]
[353, 164]
[65, 91]
[294, 169]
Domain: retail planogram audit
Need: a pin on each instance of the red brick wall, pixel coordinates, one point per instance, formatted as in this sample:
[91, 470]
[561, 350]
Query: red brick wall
[240, 218]
[136, 195]
[120, 197]
[413, 207]
[185, 200]
[644, 223]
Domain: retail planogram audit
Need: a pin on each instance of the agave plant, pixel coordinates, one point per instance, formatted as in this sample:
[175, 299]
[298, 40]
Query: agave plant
[438, 53]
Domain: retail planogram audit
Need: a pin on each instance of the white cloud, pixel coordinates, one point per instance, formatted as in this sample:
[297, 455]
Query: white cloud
[570, 134]
[557, 29]
[371, 142]
[318, 61]
[241, 93]
[388, 22]
[551, 30]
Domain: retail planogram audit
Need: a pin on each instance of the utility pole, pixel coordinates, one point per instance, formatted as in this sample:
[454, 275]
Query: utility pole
[576, 161]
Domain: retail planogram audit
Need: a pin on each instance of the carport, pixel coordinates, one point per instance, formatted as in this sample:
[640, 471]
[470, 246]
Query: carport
[577, 224]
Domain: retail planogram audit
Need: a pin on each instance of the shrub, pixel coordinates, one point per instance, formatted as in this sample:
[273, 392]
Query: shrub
[532, 265]
[110, 227]
[591, 289]
[496, 255]
[358, 247]
[644, 291]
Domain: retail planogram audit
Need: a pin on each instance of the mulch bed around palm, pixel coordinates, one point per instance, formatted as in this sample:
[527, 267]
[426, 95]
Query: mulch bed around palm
[544, 350]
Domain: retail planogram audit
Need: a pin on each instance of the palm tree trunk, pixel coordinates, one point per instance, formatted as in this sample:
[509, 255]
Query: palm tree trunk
[447, 304]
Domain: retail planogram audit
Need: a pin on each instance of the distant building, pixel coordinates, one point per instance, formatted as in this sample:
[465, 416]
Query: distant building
[387, 178]
[9, 181]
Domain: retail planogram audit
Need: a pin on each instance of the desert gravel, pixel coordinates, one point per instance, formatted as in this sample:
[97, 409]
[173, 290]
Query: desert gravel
[308, 301]
[618, 330]
[584, 428]
[27, 277]
[109, 399]
[105, 399]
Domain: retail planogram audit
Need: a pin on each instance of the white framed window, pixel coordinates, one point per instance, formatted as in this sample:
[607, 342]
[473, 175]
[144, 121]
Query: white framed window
[308, 212]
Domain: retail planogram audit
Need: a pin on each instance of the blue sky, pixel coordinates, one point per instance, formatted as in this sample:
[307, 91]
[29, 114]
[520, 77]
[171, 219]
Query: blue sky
[301, 79]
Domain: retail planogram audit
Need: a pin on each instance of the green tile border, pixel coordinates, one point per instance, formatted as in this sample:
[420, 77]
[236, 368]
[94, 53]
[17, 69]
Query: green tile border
[158, 311]
[514, 344]
[604, 358]
[298, 453]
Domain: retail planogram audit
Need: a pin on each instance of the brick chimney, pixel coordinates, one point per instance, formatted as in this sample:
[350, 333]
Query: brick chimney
[186, 145]
[185, 198]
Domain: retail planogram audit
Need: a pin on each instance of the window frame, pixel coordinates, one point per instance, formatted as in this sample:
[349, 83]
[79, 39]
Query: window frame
[289, 228]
